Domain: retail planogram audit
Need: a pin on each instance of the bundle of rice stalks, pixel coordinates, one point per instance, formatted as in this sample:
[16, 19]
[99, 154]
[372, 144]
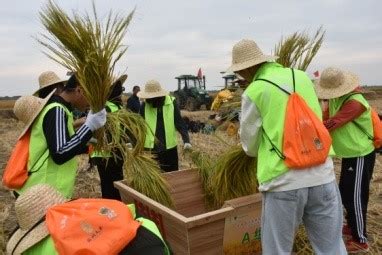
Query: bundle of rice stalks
[299, 49]
[141, 171]
[204, 165]
[91, 49]
[143, 174]
[88, 47]
[234, 175]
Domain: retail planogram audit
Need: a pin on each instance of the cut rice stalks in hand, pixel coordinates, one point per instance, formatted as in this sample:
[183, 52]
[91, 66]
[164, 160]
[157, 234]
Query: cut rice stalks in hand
[87, 47]
[141, 171]
[91, 49]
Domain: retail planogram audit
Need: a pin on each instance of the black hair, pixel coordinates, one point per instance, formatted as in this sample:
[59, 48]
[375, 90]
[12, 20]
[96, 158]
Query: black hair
[136, 87]
[71, 84]
[156, 102]
[44, 92]
[116, 93]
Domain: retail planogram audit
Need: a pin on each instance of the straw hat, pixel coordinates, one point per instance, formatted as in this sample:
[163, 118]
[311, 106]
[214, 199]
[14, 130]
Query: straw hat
[246, 54]
[335, 82]
[31, 207]
[47, 79]
[152, 89]
[27, 108]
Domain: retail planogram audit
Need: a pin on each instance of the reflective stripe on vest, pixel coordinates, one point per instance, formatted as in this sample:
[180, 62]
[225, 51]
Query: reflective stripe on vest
[349, 141]
[105, 154]
[62, 177]
[168, 120]
[271, 104]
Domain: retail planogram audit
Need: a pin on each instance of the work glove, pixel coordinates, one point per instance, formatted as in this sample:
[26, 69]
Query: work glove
[96, 120]
[187, 146]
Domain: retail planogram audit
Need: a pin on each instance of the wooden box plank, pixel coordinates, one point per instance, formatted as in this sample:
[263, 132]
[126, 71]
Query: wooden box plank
[190, 228]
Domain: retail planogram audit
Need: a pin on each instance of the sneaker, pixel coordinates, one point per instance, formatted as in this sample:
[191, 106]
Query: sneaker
[346, 232]
[356, 247]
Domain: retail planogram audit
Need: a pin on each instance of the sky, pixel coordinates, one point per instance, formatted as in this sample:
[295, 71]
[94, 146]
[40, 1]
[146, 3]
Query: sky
[167, 38]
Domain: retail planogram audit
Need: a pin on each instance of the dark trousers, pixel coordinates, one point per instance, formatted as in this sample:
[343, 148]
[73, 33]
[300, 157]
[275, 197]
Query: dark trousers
[168, 159]
[109, 171]
[354, 185]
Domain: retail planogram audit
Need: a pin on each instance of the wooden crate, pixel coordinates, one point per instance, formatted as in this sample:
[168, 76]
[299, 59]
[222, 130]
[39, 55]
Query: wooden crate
[190, 228]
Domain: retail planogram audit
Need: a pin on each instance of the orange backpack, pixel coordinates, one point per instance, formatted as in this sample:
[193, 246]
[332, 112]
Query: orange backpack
[306, 141]
[377, 129]
[91, 226]
[16, 171]
[376, 137]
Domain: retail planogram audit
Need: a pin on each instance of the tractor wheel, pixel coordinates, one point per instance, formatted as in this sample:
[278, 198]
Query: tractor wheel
[191, 104]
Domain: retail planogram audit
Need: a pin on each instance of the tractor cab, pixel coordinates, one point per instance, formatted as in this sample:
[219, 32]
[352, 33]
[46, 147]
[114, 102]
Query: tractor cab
[191, 93]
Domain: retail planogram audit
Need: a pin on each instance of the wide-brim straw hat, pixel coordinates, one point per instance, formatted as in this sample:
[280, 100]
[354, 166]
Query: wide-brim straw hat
[47, 79]
[246, 54]
[31, 206]
[334, 83]
[152, 89]
[27, 109]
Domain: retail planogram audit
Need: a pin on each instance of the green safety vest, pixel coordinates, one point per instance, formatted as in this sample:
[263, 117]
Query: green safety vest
[105, 154]
[46, 246]
[169, 123]
[62, 177]
[350, 141]
[271, 103]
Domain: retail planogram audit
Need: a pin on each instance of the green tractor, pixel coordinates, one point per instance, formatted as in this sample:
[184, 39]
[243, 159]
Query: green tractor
[191, 93]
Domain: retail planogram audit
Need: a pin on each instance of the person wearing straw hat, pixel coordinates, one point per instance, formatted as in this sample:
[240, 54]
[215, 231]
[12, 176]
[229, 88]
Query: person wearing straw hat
[48, 81]
[348, 118]
[110, 169]
[163, 118]
[33, 233]
[54, 143]
[290, 196]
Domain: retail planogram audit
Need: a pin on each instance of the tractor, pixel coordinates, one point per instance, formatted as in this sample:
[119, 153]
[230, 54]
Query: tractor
[191, 93]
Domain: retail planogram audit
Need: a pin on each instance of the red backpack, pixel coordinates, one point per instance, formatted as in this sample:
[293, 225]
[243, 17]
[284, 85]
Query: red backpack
[306, 141]
[91, 226]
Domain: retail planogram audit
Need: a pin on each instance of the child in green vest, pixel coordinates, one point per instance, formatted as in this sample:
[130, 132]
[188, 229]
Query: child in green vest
[348, 119]
[306, 195]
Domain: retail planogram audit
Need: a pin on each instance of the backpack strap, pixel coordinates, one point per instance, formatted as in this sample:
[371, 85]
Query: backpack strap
[45, 159]
[274, 147]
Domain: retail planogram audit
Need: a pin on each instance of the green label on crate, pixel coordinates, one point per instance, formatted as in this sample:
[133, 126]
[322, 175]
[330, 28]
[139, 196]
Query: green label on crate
[242, 234]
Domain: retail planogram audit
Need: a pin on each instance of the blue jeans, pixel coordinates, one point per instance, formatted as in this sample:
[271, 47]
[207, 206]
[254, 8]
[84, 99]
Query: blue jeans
[319, 208]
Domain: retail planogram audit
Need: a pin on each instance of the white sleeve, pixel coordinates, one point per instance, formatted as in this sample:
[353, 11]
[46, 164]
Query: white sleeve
[250, 126]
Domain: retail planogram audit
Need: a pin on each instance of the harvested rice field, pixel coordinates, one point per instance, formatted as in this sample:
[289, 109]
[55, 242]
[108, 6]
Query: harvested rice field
[87, 184]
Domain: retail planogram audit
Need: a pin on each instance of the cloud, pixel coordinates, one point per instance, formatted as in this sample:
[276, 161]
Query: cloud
[168, 38]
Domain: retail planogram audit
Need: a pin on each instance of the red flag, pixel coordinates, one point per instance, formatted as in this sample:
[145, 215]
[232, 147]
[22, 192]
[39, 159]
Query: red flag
[200, 76]
[316, 74]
